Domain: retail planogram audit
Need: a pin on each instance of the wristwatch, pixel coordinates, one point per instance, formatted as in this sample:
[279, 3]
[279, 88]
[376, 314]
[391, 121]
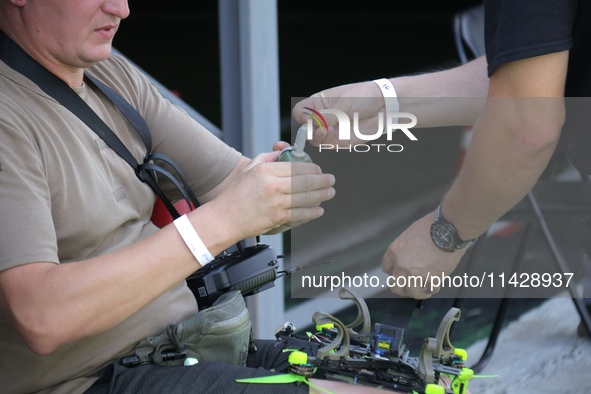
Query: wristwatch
[444, 234]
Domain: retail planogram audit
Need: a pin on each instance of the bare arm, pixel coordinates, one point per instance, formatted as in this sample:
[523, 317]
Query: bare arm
[513, 141]
[445, 98]
[451, 97]
[51, 305]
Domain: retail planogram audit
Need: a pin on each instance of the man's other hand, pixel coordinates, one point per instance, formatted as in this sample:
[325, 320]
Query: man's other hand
[413, 253]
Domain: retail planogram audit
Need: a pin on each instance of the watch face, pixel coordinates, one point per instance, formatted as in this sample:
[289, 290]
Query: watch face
[442, 235]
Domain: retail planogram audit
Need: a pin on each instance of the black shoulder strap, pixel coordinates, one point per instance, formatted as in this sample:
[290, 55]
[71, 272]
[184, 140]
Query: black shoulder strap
[17, 59]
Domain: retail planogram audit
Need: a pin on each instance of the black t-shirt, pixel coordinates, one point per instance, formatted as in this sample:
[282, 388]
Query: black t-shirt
[520, 29]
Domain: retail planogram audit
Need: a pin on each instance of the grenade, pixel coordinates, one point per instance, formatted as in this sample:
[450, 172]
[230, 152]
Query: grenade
[296, 152]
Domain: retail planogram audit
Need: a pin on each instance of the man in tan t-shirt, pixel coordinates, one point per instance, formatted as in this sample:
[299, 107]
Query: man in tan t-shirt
[84, 274]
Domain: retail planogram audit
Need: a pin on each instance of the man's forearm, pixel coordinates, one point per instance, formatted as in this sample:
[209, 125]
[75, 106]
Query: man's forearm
[445, 98]
[76, 300]
[513, 141]
[509, 151]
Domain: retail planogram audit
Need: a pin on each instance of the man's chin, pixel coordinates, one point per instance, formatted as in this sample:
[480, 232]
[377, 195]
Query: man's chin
[90, 59]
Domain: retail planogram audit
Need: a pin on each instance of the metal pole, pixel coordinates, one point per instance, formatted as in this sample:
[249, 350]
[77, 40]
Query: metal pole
[250, 112]
[230, 73]
[562, 266]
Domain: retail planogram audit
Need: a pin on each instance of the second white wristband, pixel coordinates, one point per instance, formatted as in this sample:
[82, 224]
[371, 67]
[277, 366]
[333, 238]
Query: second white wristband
[193, 241]
[390, 96]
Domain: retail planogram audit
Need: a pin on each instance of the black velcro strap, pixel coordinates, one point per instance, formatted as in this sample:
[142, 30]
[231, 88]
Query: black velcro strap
[399, 311]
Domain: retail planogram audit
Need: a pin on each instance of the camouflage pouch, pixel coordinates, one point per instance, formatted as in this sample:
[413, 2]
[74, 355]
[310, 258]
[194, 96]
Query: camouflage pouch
[221, 332]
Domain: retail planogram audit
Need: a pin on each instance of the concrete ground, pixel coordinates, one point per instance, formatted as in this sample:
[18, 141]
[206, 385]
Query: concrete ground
[538, 353]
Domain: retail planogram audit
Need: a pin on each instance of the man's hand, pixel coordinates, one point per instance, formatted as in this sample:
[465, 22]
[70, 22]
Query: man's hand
[267, 195]
[413, 253]
[364, 98]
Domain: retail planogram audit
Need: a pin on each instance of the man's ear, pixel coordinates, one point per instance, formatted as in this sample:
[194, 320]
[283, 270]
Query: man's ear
[18, 3]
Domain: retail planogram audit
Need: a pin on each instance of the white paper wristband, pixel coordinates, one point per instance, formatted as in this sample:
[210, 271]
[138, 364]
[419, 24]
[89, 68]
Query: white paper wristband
[390, 97]
[193, 241]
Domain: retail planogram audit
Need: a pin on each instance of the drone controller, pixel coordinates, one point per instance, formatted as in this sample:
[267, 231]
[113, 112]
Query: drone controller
[250, 270]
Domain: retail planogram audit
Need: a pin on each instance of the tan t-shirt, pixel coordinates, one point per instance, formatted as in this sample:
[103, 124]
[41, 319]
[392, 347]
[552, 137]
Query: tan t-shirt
[65, 196]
